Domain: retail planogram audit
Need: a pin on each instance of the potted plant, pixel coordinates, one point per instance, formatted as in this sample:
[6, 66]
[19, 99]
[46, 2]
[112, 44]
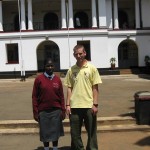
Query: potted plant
[147, 60]
[112, 62]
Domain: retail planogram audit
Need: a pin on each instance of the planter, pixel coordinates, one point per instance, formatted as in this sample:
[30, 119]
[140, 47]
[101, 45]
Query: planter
[112, 62]
[113, 66]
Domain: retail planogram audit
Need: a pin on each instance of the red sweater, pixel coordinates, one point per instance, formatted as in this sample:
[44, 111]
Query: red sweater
[47, 94]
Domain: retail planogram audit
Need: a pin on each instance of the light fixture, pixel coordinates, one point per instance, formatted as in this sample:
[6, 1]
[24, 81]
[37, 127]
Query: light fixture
[46, 37]
[128, 36]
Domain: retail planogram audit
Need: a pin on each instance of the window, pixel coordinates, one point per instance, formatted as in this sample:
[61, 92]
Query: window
[86, 44]
[51, 21]
[12, 53]
[81, 20]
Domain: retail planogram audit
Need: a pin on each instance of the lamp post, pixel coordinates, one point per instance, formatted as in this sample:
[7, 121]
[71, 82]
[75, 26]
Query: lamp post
[67, 8]
[22, 61]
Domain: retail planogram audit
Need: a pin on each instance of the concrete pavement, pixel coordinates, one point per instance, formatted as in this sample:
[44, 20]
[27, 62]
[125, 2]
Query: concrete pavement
[137, 140]
[115, 98]
[117, 129]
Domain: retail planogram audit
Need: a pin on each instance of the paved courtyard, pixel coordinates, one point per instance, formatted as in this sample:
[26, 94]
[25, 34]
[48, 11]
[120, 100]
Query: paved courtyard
[116, 96]
[136, 140]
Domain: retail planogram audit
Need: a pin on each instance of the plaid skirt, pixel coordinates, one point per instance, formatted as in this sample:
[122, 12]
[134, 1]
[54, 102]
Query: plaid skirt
[51, 126]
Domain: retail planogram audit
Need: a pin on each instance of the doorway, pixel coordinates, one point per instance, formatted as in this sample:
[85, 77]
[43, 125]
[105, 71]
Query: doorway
[48, 49]
[128, 54]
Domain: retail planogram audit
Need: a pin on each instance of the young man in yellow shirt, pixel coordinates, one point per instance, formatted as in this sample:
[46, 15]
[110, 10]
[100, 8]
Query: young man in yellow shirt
[82, 81]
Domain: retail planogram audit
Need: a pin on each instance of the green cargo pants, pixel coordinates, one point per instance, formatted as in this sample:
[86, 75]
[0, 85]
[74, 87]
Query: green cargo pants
[77, 118]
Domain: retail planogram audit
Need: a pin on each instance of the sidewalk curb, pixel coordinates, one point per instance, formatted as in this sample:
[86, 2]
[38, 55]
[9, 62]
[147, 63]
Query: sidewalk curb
[32, 123]
[105, 124]
[111, 128]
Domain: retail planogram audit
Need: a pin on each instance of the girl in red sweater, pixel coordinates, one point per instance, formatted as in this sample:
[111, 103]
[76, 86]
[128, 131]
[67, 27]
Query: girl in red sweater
[48, 106]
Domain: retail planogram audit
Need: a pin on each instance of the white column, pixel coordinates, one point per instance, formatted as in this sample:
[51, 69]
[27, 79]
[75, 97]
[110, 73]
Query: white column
[30, 20]
[71, 24]
[137, 14]
[110, 24]
[102, 13]
[23, 22]
[116, 23]
[1, 17]
[94, 20]
[63, 14]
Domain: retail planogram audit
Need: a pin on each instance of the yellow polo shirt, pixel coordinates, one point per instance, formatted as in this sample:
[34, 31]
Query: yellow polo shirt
[81, 81]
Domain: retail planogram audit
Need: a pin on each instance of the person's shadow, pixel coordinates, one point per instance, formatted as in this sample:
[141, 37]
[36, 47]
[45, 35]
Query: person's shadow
[144, 142]
[60, 148]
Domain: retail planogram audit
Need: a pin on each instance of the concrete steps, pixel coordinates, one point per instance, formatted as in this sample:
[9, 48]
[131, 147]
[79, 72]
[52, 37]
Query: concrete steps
[105, 124]
[129, 71]
[125, 71]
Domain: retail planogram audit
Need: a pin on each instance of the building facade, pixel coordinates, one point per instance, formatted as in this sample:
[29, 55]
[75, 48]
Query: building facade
[33, 30]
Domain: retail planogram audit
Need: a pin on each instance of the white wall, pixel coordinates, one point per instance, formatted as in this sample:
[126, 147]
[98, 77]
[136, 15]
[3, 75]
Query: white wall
[113, 44]
[99, 51]
[3, 59]
[103, 47]
[143, 43]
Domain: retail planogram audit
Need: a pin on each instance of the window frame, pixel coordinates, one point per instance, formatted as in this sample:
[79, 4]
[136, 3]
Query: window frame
[87, 46]
[12, 53]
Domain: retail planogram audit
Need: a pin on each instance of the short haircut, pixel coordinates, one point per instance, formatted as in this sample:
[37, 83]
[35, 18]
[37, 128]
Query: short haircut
[47, 61]
[77, 47]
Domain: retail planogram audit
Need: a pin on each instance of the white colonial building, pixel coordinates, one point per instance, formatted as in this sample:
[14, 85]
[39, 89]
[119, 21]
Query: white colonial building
[33, 30]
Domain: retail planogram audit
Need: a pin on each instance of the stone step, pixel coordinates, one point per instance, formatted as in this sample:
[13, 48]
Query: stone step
[129, 71]
[125, 71]
[104, 128]
[105, 124]
[115, 120]
[12, 124]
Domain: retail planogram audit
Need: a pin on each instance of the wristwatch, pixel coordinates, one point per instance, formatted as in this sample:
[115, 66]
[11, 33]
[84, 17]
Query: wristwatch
[96, 105]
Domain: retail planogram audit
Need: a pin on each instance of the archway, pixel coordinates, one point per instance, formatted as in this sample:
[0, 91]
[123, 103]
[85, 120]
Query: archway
[50, 21]
[48, 49]
[81, 20]
[127, 54]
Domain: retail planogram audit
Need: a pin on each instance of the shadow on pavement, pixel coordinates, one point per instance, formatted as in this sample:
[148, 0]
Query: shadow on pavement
[144, 142]
[61, 148]
[144, 76]
[128, 115]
